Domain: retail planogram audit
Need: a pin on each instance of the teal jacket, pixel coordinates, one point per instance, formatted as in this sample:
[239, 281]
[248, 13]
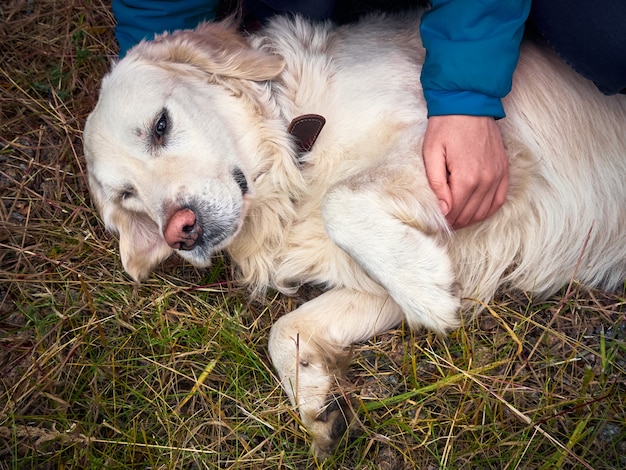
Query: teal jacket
[472, 46]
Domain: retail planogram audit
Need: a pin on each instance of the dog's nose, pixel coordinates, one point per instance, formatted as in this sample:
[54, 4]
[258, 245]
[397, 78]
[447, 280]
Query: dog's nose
[182, 230]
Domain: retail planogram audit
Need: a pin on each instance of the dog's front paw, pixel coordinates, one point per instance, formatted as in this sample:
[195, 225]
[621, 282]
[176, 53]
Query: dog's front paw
[330, 425]
[436, 308]
[310, 348]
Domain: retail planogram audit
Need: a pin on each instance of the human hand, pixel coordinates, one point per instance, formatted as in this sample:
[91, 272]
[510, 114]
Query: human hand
[467, 167]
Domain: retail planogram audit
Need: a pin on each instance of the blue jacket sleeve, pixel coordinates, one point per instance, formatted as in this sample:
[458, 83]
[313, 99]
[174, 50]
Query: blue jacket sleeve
[472, 48]
[140, 19]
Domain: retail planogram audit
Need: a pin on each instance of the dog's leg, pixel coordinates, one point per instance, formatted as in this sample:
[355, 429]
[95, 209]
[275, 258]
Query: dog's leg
[309, 348]
[387, 221]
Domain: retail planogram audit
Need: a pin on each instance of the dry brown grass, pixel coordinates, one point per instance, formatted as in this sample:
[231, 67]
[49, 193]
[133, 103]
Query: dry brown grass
[96, 373]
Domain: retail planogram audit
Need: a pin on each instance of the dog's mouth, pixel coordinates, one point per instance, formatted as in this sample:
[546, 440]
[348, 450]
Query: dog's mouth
[195, 231]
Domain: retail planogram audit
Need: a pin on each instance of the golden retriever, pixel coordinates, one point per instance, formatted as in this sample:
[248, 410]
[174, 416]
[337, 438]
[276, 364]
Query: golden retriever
[188, 152]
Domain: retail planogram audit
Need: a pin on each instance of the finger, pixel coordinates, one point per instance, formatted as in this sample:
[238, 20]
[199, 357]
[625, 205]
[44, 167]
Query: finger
[437, 173]
[482, 205]
[481, 212]
[462, 215]
[467, 195]
[500, 196]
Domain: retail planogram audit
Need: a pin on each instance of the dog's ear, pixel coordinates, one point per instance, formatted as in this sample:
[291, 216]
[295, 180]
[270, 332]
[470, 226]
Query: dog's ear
[214, 48]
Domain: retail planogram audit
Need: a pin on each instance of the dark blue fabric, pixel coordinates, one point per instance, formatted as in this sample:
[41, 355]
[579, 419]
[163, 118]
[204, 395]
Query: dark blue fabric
[589, 35]
[316, 10]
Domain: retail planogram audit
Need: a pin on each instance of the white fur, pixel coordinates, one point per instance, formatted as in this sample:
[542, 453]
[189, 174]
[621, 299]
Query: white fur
[356, 214]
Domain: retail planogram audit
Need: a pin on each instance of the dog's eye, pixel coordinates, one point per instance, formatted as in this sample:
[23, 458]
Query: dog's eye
[160, 128]
[240, 179]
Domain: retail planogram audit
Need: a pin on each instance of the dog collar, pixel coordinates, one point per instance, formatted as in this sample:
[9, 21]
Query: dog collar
[306, 129]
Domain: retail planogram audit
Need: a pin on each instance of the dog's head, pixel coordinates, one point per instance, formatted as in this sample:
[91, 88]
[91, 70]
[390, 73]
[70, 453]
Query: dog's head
[165, 166]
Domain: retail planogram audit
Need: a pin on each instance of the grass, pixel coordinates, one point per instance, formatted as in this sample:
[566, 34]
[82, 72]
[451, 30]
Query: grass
[96, 372]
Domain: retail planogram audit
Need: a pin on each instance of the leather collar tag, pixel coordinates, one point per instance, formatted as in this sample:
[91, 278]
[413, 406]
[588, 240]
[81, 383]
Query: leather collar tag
[306, 129]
